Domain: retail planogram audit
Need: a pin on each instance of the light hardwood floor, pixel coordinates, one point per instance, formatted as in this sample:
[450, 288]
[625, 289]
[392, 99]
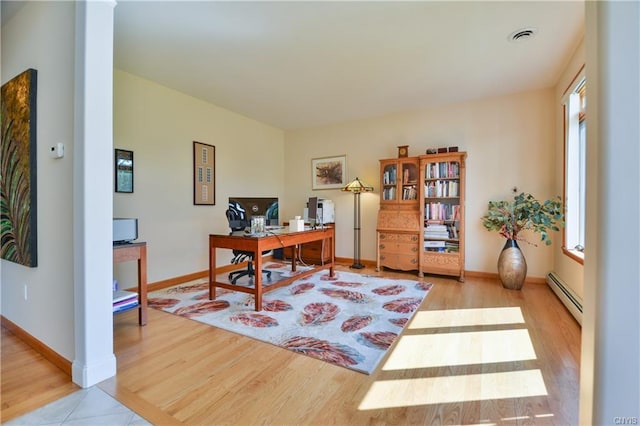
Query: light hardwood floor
[474, 354]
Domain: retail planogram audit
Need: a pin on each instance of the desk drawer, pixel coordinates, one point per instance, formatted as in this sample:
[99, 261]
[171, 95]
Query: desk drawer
[399, 261]
[399, 250]
[408, 249]
[310, 252]
[388, 237]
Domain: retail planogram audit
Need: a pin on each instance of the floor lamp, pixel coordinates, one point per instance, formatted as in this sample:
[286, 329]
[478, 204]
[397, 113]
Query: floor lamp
[356, 186]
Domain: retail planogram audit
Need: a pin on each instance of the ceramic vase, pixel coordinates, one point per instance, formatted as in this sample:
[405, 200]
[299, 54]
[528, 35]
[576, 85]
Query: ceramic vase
[512, 266]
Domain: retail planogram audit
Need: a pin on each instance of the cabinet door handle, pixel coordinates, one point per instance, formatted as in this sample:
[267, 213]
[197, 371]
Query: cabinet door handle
[414, 238]
[414, 249]
[414, 261]
[382, 236]
[383, 257]
[381, 246]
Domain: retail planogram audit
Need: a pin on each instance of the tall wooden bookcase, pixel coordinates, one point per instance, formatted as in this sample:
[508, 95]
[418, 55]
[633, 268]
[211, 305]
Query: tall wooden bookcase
[398, 230]
[442, 213]
[421, 217]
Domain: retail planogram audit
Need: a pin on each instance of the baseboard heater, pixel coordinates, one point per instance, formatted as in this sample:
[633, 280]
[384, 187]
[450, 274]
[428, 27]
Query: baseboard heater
[566, 295]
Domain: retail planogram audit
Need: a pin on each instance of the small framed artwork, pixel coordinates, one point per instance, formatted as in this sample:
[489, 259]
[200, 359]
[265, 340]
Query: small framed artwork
[124, 170]
[204, 168]
[329, 172]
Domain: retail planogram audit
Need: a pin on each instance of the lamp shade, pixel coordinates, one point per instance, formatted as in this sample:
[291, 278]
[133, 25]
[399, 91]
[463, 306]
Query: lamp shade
[357, 186]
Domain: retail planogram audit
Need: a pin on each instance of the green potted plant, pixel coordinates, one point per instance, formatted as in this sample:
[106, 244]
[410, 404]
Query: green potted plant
[510, 218]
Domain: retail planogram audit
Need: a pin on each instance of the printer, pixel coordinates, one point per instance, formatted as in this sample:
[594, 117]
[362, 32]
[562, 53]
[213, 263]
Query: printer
[125, 230]
[326, 211]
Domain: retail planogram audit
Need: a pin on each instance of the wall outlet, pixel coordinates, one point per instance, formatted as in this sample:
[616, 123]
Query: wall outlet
[26, 295]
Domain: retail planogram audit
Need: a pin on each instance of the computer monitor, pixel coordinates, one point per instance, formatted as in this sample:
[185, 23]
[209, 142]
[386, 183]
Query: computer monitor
[313, 211]
[256, 206]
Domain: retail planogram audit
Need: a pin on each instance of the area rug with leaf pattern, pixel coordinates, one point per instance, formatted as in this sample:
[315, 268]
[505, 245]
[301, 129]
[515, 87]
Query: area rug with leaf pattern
[349, 320]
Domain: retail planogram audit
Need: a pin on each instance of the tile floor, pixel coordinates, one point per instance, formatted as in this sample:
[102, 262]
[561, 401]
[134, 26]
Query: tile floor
[90, 407]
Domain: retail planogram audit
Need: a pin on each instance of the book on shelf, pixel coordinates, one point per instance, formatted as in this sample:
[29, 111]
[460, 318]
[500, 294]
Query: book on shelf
[446, 248]
[445, 169]
[441, 211]
[436, 234]
[453, 231]
[442, 189]
[431, 243]
[389, 177]
[452, 247]
[389, 193]
[409, 193]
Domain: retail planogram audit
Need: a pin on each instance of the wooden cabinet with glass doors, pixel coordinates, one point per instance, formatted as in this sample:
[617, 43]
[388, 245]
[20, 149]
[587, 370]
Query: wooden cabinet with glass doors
[399, 223]
[442, 195]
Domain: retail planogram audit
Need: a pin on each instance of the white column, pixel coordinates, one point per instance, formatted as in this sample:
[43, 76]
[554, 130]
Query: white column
[93, 193]
[610, 370]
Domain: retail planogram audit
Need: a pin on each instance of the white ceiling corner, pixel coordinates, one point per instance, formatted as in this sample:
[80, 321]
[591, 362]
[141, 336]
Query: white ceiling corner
[298, 64]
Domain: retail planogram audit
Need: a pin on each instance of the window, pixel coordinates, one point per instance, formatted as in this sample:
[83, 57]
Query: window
[575, 127]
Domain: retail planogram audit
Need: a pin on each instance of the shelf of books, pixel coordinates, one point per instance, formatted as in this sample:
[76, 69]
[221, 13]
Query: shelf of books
[442, 208]
[399, 180]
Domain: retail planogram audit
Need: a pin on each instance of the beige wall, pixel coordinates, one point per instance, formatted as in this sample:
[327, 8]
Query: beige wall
[41, 36]
[569, 270]
[510, 142]
[159, 125]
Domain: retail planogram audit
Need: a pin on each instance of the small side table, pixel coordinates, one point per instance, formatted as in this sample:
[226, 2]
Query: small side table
[136, 251]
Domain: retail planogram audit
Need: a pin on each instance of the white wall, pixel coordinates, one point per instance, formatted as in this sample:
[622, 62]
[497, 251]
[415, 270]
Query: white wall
[610, 372]
[159, 125]
[571, 272]
[41, 36]
[509, 140]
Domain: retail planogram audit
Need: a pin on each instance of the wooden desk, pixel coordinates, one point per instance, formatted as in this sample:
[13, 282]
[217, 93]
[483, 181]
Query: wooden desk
[136, 251]
[269, 242]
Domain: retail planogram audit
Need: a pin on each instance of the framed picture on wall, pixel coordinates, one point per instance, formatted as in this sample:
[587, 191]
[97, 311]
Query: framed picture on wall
[18, 192]
[329, 172]
[124, 170]
[204, 167]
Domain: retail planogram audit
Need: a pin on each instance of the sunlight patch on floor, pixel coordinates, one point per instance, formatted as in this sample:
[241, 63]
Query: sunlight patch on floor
[466, 317]
[448, 389]
[477, 347]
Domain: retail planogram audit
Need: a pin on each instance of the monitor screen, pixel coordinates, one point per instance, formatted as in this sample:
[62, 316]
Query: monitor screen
[313, 209]
[256, 206]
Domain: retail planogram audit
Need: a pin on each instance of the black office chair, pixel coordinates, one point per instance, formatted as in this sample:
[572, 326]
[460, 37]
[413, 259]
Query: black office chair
[238, 222]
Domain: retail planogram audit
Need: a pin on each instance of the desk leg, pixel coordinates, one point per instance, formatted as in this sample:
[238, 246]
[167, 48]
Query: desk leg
[295, 251]
[142, 286]
[257, 279]
[212, 272]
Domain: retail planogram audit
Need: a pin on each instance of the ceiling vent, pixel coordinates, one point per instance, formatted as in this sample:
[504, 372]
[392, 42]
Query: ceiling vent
[522, 34]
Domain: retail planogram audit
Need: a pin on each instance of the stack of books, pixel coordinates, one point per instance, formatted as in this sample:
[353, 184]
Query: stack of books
[442, 246]
[436, 231]
[430, 245]
[123, 300]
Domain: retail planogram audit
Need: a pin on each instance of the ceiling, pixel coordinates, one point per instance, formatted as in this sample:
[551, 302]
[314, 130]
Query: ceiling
[300, 64]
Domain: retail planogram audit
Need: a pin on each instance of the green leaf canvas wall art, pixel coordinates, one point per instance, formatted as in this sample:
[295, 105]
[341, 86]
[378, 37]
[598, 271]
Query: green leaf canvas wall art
[18, 195]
